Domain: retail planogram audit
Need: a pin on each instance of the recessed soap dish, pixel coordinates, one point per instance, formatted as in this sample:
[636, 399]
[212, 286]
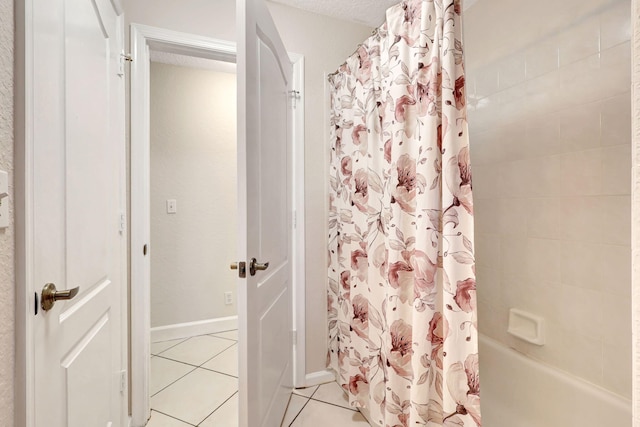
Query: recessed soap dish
[526, 326]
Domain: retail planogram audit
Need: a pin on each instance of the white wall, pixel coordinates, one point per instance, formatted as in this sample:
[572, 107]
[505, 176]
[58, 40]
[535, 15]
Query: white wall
[193, 160]
[325, 43]
[7, 273]
[550, 128]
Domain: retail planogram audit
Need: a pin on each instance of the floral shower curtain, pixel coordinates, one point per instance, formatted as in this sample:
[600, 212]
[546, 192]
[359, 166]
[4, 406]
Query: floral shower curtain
[402, 292]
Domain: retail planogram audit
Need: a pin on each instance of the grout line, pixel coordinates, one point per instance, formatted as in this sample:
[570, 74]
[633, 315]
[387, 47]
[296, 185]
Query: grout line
[170, 416]
[172, 383]
[223, 338]
[304, 395]
[220, 406]
[218, 372]
[195, 368]
[333, 404]
[178, 361]
[191, 364]
[216, 355]
[315, 391]
[168, 348]
[299, 412]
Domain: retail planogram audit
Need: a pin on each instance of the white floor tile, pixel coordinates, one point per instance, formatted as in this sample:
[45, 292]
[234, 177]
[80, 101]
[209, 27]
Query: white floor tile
[197, 350]
[332, 393]
[226, 362]
[225, 416]
[160, 346]
[316, 414]
[164, 372]
[230, 335]
[193, 394]
[193, 397]
[296, 403]
[160, 420]
[306, 392]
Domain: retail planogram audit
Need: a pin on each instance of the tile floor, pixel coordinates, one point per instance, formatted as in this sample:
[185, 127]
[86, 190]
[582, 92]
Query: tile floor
[194, 382]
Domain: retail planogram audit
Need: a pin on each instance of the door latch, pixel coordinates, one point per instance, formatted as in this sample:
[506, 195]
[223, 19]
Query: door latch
[241, 267]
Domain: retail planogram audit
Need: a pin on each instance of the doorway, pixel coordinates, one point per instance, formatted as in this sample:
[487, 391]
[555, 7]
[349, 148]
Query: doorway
[147, 42]
[193, 238]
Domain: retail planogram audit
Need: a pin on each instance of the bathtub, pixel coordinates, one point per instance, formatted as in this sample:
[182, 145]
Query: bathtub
[516, 391]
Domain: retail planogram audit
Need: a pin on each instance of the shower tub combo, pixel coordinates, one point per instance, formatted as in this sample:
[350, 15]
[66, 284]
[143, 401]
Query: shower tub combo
[518, 391]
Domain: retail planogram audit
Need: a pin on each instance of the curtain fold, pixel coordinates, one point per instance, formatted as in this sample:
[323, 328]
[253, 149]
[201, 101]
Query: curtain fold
[402, 292]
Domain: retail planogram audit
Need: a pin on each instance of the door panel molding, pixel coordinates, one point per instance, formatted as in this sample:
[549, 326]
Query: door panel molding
[28, 143]
[143, 39]
[265, 78]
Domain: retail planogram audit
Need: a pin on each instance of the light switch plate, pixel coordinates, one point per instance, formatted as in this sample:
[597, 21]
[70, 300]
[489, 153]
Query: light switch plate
[4, 199]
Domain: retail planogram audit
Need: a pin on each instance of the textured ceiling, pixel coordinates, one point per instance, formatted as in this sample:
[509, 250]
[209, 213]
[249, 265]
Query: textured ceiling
[367, 12]
[192, 61]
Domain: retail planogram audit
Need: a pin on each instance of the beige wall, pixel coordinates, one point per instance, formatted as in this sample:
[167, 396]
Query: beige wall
[325, 43]
[550, 135]
[193, 160]
[635, 238]
[7, 314]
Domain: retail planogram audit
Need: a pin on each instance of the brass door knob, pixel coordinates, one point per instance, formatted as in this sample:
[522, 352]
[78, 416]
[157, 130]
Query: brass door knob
[50, 295]
[254, 266]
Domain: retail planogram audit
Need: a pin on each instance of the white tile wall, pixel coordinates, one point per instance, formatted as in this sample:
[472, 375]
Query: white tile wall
[542, 58]
[550, 128]
[616, 120]
[511, 70]
[615, 26]
[581, 41]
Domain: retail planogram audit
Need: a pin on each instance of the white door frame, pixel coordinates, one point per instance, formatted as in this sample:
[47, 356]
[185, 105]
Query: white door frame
[144, 38]
[25, 288]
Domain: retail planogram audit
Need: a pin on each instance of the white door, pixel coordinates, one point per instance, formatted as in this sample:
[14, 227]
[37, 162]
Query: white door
[77, 189]
[265, 226]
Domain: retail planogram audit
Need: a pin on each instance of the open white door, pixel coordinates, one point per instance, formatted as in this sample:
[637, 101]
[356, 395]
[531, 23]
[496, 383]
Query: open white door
[74, 230]
[265, 225]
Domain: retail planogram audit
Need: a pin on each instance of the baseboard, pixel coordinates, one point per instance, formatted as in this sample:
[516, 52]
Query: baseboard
[190, 329]
[320, 377]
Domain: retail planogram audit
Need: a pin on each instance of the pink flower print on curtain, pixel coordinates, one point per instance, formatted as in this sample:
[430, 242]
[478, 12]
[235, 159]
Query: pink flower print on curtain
[402, 290]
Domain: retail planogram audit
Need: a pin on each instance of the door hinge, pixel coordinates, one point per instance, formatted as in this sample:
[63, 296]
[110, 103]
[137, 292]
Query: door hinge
[295, 219]
[294, 337]
[124, 57]
[123, 381]
[122, 223]
[294, 95]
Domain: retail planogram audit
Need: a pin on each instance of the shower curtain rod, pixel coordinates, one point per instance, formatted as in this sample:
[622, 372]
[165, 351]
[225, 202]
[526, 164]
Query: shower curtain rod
[373, 33]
